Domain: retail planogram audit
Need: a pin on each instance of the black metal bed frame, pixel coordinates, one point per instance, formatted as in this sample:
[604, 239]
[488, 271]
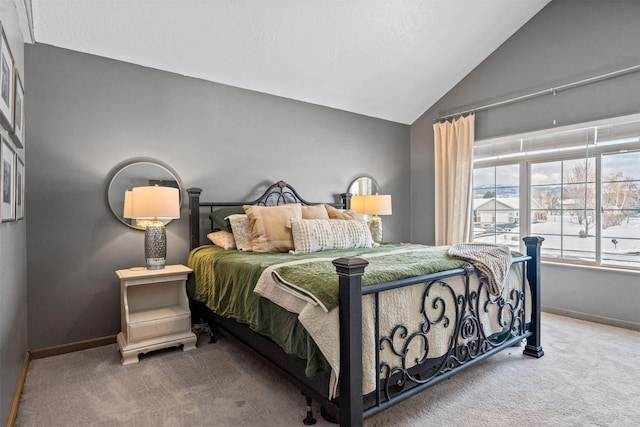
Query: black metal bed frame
[469, 343]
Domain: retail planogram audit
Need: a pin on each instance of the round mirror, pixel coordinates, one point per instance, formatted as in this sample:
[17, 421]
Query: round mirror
[362, 186]
[138, 174]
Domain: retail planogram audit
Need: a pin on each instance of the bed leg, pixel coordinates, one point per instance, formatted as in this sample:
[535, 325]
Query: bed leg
[212, 337]
[329, 413]
[534, 344]
[199, 314]
[309, 420]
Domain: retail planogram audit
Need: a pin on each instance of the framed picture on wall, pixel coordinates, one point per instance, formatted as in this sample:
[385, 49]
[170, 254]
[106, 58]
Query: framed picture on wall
[7, 185]
[19, 188]
[17, 135]
[6, 83]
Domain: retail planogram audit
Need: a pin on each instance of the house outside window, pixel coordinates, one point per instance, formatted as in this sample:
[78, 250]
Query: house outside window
[578, 187]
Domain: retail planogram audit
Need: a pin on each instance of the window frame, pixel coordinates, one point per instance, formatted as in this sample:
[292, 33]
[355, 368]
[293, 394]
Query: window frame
[590, 151]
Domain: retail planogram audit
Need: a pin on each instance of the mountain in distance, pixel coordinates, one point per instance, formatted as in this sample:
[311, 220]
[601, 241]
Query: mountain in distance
[481, 190]
[500, 191]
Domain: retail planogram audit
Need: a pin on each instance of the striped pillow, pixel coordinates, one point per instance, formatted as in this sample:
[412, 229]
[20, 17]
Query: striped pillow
[314, 235]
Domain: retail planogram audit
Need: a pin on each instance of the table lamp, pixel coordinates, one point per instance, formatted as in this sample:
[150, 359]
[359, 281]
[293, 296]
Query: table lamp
[153, 203]
[375, 205]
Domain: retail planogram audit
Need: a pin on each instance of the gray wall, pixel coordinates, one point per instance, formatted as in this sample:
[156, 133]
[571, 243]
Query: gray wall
[88, 114]
[565, 42]
[13, 258]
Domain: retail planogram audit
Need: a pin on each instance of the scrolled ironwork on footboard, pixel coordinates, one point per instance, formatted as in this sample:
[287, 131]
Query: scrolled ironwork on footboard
[460, 313]
[476, 323]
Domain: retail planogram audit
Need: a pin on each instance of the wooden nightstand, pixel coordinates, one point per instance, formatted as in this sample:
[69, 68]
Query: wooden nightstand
[154, 311]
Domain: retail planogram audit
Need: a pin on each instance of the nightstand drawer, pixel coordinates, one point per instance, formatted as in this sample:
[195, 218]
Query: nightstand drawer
[157, 328]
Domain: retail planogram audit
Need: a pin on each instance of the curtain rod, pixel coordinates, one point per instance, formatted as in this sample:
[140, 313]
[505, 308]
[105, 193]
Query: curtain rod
[550, 91]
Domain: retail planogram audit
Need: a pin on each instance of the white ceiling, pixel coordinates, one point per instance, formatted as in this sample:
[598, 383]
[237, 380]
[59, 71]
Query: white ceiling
[387, 59]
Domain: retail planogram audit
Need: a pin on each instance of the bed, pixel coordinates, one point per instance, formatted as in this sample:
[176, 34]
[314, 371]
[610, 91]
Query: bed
[327, 311]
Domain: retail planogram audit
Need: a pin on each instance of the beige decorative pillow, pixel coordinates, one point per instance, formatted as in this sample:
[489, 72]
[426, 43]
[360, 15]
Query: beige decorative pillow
[335, 213]
[223, 239]
[241, 229]
[314, 212]
[314, 235]
[269, 229]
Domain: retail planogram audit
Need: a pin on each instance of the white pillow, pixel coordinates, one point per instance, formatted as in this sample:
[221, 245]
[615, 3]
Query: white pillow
[223, 239]
[241, 229]
[314, 235]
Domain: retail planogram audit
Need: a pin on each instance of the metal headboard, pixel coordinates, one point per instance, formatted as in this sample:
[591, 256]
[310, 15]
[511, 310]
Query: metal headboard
[277, 194]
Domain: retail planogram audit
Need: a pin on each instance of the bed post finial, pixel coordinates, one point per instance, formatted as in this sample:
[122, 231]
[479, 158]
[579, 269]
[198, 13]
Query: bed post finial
[534, 345]
[194, 216]
[345, 198]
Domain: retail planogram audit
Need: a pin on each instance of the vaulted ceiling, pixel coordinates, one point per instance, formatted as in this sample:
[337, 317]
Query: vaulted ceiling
[381, 58]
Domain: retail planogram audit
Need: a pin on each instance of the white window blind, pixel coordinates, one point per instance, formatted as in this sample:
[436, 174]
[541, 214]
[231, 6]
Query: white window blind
[626, 132]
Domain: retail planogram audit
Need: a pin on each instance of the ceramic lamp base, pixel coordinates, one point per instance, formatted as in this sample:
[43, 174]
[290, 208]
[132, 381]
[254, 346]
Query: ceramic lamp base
[375, 226]
[155, 246]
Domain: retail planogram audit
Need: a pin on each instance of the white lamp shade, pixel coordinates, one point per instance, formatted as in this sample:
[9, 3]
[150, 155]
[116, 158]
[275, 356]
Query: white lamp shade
[155, 202]
[128, 201]
[357, 204]
[376, 204]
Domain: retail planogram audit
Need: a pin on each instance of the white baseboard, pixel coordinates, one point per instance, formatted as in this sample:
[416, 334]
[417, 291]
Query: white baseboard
[593, 318]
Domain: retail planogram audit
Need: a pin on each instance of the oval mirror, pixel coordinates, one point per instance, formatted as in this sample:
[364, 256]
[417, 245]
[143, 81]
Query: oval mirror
[362, 186]
[138, 174]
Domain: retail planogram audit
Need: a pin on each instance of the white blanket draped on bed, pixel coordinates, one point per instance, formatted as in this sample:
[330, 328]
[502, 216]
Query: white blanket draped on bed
[400, 306]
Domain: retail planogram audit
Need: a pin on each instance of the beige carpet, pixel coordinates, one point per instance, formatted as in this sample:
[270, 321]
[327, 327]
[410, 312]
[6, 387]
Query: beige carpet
[589, 376]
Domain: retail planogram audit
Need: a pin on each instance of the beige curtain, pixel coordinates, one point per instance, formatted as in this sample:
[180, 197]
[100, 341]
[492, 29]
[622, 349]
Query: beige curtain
[453, 150]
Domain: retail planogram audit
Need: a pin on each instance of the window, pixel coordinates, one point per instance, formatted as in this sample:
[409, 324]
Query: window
[564, 210]
[578, 187]
[496, 205]
[620, 235]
